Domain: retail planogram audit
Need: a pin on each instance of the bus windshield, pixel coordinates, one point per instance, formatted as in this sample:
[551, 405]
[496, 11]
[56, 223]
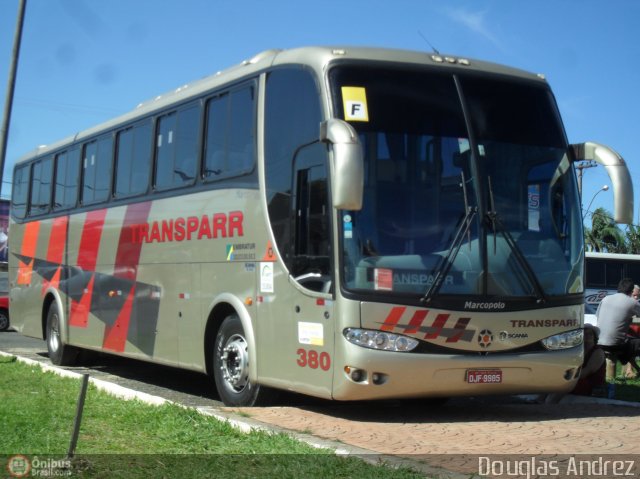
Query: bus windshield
[468, 186]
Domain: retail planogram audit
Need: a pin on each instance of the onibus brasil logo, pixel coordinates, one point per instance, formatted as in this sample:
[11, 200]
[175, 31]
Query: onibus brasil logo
[21, 466]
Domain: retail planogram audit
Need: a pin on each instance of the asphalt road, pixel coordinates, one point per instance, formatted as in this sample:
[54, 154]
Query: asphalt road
[177, 385]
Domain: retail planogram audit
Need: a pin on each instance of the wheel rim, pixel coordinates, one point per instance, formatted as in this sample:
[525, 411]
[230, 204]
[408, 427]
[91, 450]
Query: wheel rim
[4, 321]
[234, 363]
[54, 333]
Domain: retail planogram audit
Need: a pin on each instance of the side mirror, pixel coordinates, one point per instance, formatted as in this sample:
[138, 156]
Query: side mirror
[618, 173]
[347, 169]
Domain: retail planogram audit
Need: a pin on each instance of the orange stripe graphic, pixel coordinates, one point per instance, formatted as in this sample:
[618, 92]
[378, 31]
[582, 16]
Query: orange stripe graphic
[55, 253]
[392, 319]
[29, 244]
[79, 315]
[115, 337]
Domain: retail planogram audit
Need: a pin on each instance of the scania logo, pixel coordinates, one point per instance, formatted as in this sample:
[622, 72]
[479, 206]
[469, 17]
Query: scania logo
[485, 338]
[504, 335]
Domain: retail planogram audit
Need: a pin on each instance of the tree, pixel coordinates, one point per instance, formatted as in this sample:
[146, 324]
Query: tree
[633, 239]
[604, 234]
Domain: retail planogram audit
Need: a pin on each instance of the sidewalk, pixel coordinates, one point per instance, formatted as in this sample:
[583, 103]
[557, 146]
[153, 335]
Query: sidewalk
[442, 441]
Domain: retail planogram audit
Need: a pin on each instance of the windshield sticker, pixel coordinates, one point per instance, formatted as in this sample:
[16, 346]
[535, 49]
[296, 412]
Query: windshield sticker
[311, 333]
[348, 227]
[383, 279]
[355, 103]
[534, 207]
[266, 277]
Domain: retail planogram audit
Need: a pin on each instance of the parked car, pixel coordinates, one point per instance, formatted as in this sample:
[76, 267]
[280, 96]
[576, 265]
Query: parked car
[4, 313]
[4, 299]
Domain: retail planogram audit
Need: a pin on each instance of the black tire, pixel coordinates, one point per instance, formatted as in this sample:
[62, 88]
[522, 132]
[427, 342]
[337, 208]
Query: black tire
[4, 319]
[60, 354]
[231, 366]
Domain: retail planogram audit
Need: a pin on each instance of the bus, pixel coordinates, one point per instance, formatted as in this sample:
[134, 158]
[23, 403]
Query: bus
[346, 223]
[603, 271]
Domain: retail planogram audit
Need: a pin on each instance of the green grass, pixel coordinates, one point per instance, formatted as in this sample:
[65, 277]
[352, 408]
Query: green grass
[132, 439]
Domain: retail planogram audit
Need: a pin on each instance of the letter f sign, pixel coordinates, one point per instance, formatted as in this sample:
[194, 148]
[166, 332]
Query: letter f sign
[355, 103]
[357, 111]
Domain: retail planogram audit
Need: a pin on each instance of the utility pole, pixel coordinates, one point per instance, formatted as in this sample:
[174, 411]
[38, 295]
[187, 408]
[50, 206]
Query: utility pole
[4, 133]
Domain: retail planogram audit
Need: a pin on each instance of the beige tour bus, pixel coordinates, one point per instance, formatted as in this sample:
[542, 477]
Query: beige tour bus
[347, 223]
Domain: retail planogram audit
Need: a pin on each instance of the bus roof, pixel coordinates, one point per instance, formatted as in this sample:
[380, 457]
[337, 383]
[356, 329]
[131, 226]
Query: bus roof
[317, 58]
[619, 256]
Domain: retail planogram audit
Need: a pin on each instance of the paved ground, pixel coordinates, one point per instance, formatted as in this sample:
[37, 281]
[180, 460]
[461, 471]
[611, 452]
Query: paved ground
[450, 436]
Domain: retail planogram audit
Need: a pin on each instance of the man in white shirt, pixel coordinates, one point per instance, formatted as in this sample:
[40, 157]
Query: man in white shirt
[615, 315]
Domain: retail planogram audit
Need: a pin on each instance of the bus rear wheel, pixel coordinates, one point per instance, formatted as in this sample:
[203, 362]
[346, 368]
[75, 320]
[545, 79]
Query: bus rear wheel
[59, 353]
[231, 361]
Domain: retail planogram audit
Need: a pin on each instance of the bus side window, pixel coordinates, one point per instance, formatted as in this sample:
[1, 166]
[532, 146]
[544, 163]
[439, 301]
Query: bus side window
[96, 170]
[613, 273]
[311, 265]
[299, 218]
[41, 174]
[133, 160]
[176, 148]
[66, 179]
[230, 140]
[595, 274]
[20, 191]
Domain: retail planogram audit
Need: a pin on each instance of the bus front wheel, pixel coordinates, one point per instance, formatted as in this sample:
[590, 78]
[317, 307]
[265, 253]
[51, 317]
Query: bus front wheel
[231, 361]
[59, 353]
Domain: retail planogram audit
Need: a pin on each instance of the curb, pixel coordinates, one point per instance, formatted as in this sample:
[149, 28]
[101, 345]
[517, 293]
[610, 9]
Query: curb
[247, 425]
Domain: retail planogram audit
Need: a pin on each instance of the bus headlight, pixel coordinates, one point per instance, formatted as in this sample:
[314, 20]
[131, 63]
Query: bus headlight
[567, 340]
[368, 338]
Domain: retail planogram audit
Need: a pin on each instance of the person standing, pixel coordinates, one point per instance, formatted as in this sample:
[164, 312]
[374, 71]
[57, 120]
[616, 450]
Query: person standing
[634, 331]
[614, 316]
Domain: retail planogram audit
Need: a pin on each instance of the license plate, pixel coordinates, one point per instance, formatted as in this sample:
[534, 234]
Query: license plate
[484, 376]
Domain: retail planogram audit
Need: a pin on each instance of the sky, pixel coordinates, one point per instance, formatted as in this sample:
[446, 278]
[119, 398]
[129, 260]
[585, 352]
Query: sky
[83, 62]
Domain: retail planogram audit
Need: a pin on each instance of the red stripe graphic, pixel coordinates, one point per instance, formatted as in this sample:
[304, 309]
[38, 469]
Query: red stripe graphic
[55, 253]
[90, 240]
[128, 254]
[416, 321]
[87, 260]
[460, 328]
[126, 267]
[79, 315]
[57, 240]
[438, 324]
[392, 319]
[115, 337]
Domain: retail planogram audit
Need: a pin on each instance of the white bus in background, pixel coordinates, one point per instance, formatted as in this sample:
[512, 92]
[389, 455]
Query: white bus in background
[603, 271]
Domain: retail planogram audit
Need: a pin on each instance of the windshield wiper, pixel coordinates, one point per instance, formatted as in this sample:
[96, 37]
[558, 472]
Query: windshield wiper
[494, 219]
[446, 262]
